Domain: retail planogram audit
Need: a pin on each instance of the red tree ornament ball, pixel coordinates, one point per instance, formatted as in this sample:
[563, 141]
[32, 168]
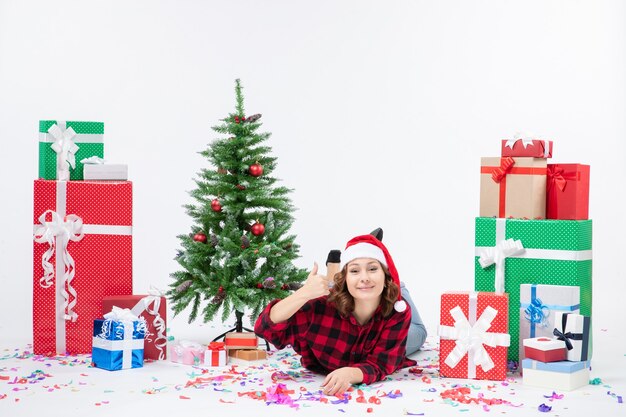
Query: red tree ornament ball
[257, 229]
[215, 205]
[256, 170]
[200, 237]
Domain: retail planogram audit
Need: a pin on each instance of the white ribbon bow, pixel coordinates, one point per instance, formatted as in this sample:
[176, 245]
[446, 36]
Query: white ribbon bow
[526, 140]
[470, 339]
[120, 314]
[497, 255]
[144, 304]
[93, 160]
[55, 232]
[65, 149]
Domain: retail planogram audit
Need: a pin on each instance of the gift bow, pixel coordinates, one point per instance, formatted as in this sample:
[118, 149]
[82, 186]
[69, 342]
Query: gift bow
[64, 147]
[505, 166]
[59, 231]
[518, 137]
[497, 255]
[216, 346]
[154, 300]
[558, 177]
[536, 312]
[470, 339]
[566, 337]
[125, 316]
[120, 314]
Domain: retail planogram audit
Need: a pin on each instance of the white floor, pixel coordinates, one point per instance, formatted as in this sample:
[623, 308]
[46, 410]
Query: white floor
[68, 386]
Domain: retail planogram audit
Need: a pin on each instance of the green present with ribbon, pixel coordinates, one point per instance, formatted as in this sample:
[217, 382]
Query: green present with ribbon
[64, 144]
[511, 252]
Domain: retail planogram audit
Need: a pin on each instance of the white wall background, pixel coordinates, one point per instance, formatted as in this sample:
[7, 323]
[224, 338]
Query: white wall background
[379, 112]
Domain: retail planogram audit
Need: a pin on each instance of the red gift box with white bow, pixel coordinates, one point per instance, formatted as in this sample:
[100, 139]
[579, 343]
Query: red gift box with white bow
[474, 335]
[82, 253]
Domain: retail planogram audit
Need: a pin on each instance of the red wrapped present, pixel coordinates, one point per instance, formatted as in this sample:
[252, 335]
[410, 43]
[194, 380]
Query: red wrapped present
[152, 308]
[545, 349]
[474, 335]
[82, 253]
[241, 340]
[513, 187]
[534, 148]
[568, 192]
[215, 354]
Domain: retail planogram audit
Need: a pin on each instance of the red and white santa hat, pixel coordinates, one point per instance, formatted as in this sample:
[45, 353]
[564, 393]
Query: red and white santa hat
[367, 246]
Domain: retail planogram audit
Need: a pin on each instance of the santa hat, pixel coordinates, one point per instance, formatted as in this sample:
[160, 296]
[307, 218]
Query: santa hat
[367, 246]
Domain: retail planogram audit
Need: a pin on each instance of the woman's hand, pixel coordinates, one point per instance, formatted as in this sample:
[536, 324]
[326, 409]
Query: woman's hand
[339, 381]
[315, 285]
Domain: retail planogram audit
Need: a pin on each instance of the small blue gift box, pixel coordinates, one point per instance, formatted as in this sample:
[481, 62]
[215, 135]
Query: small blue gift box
[118, 344]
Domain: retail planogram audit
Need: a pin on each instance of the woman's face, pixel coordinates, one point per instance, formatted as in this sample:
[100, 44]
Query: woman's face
[365, 279]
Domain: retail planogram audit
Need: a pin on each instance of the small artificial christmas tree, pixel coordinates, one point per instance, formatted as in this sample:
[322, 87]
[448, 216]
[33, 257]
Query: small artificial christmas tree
[239, 254]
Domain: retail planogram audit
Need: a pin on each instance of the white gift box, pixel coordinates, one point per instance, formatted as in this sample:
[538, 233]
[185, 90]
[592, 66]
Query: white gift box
[563, 375]
[539, 304]
[105, 172]
[577, 330]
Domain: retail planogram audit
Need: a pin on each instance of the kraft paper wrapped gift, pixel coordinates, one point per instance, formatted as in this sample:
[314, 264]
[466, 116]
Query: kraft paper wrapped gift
[215, 354]
[535, 148]
[563, 375]
[62, 145]
[513, 187]
[82, 253]
[538, 307]
[151, 308]
[554, 252]
[575, 331]
[247, 354]
[186, 352]
[545, 349]
[568, 192]
[105, 172]
[118, 341]
[473, 335]
[241, 340]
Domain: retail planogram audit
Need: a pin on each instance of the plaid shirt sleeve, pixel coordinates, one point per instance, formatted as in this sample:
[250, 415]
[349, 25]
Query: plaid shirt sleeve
[282, 334]
[390, 352]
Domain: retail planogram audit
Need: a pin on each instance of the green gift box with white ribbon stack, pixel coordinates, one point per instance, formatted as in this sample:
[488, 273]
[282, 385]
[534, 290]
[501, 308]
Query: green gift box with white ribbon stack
[511, 252]
[63, 144]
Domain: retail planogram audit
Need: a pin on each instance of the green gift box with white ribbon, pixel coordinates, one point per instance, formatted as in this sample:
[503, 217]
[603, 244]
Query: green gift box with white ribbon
[511, 252]
[63, 144]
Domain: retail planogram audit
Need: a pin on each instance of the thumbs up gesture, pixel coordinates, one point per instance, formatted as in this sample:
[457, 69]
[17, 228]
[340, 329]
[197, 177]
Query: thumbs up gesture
[315, 285]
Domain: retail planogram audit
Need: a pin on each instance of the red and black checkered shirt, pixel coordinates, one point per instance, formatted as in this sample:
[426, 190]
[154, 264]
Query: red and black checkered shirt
[326, 341]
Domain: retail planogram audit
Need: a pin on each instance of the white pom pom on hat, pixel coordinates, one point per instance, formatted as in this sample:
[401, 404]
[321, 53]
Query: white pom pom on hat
[367, 246]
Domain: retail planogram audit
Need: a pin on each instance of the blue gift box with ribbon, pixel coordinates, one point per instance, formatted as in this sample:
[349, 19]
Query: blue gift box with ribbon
[539, 305]
[118, 342]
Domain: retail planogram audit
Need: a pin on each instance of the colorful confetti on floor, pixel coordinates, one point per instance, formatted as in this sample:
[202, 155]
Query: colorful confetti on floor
[31, 383]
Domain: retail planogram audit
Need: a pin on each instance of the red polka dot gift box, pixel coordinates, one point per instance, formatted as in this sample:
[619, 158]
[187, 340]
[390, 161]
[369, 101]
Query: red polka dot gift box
[474, 335]
[82, 253]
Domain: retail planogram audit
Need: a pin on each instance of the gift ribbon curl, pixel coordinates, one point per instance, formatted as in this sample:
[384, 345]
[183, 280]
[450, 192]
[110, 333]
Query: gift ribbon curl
[537, 312]
[59, 231]
[470, 339]
[154, 300]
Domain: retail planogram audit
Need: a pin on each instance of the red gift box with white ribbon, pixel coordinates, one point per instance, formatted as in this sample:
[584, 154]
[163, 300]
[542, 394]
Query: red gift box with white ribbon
[545, 349]
[152, 308]
[535, 148]
[82, 253]
[474, 335]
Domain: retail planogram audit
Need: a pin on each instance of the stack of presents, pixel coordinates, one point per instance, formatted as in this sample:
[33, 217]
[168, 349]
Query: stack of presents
[83, 298]
[532, 279]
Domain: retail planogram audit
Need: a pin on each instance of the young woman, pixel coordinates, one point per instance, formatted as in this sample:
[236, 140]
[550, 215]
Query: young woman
[355, 333]
[417, 331]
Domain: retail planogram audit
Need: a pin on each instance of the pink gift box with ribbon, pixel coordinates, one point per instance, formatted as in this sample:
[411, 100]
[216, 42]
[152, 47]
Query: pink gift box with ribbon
[82, 253]
[215, 354]
[152, 308]
[474, 335]
[186, 352]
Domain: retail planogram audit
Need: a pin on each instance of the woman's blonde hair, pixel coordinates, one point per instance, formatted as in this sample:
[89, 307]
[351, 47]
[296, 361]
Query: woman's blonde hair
[344, 302]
